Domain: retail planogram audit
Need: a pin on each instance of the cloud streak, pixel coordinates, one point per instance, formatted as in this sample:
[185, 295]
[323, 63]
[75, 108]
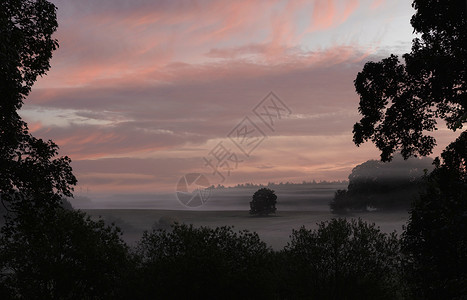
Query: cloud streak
[140, 91]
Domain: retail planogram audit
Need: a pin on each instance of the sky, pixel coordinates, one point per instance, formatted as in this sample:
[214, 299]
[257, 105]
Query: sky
[141, 93]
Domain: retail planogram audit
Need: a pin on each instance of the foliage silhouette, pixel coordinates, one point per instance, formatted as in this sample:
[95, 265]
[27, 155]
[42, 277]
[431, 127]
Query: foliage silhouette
[63, 255]
[189, 262]
[50, 252]
[435, 240]
[343, 260]
[32, 178]
[399, 103]
[264, 202]
[382, 185]
[46, 251]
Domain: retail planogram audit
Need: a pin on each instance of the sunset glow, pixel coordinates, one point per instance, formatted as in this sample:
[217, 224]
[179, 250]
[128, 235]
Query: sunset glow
[140, 91]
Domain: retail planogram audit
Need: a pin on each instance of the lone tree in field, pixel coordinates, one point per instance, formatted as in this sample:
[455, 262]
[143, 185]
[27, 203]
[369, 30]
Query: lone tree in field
[264, 202]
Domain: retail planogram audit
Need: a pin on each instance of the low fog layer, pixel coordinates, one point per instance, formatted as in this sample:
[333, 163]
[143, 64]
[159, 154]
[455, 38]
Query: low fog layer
[312, 197]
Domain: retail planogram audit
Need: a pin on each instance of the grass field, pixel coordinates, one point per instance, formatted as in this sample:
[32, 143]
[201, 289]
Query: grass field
[274, 230]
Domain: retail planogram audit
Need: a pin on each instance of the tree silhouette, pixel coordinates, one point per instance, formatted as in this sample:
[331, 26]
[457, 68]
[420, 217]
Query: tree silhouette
[435, 240]
[382, 185]
[32, 178]
[64, 255]
[189, 262]
[400, 103]
[342, 260]
[264, 202]
[46, 251]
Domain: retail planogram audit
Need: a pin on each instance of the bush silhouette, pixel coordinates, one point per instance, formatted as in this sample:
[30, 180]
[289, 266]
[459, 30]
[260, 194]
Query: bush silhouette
[342, 260]
[194, 263]
[63, 255]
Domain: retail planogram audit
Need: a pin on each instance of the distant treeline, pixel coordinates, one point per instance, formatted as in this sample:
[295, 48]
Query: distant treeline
[280, 184]
[383, 185]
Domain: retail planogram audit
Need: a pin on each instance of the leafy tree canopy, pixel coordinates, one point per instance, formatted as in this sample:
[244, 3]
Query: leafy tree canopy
[400, 102]
[63, 255]
[383, 185]
[264, 202]
[344, 260]
[435, 240]
[31, 176]
[189, 262]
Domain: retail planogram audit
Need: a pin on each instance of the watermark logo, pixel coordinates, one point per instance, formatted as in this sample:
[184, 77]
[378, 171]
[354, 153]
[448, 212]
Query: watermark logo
[270, 110]
[246, 136]
[193, 189]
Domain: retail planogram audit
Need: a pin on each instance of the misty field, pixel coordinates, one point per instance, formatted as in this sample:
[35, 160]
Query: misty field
[297, 205]
[274, 230]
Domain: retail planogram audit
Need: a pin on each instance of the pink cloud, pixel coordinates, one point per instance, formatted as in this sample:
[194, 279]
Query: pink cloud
[151, 86]
[34, 126]
[377, 3]
[328, 14]
[104, 42]
[94, 141]
[323, 15]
